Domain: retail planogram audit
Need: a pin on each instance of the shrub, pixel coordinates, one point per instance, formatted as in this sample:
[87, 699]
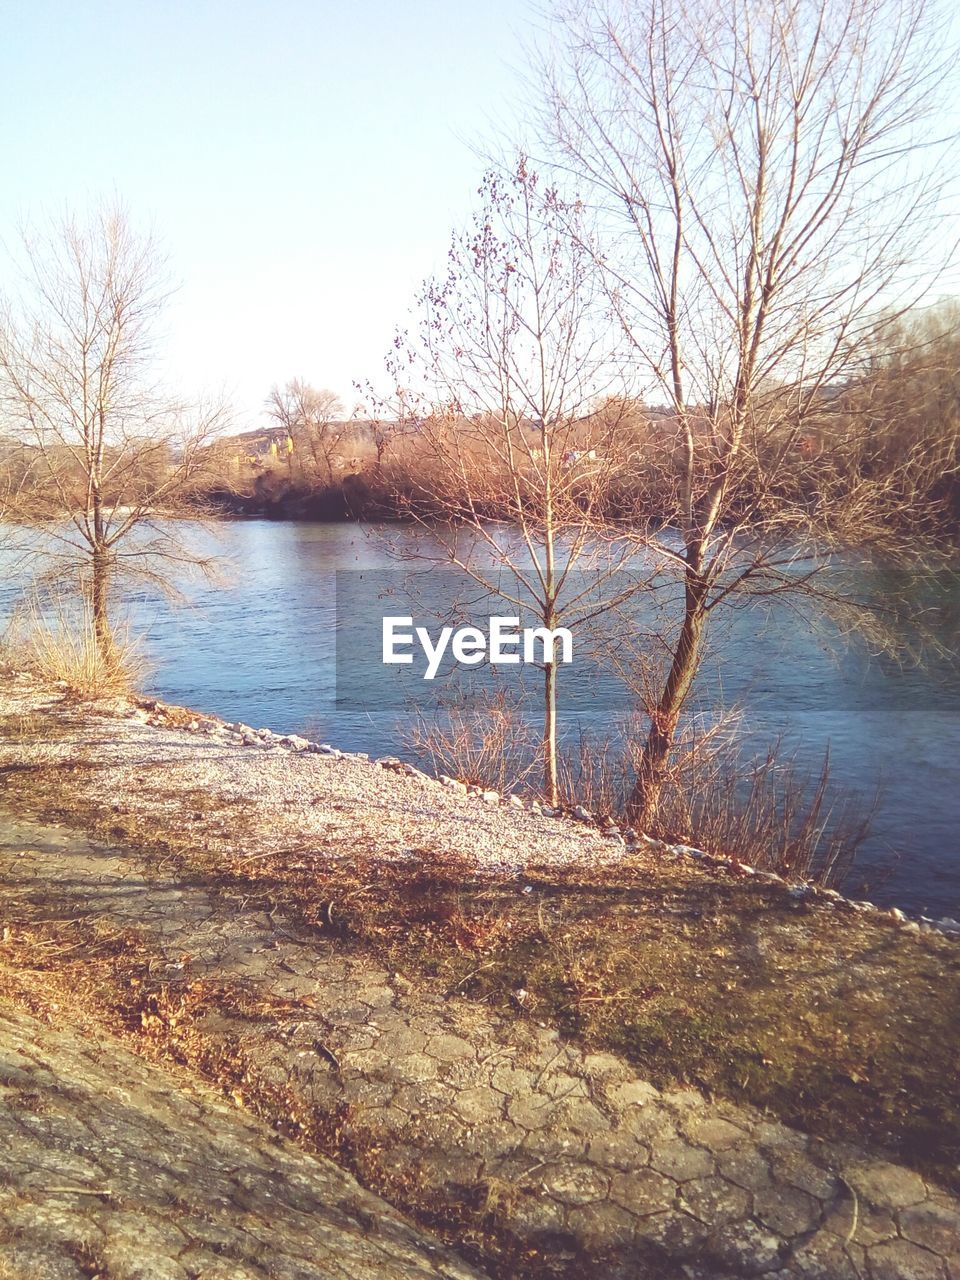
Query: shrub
[60, 644]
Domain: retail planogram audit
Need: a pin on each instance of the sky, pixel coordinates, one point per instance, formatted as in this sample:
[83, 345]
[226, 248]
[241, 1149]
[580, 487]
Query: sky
[303, 164]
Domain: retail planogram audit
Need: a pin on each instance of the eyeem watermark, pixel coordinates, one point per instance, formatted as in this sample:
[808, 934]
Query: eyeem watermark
[504, 644]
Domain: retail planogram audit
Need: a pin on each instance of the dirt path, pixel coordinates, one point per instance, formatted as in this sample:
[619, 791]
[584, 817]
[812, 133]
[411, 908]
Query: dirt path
[113, 1167]
[448, 1108]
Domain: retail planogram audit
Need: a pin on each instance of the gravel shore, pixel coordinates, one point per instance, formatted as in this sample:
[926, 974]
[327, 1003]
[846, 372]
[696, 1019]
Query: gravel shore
[289, 796]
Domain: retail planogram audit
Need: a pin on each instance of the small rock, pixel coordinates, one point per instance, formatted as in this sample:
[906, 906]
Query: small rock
[582, 814]
[490, 797]
[454, 784]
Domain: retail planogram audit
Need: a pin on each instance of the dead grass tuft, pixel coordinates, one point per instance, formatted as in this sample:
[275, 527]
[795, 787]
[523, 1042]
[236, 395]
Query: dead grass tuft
[62, 648]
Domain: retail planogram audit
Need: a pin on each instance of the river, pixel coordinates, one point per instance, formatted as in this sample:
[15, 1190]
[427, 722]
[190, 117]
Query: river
[261, 648]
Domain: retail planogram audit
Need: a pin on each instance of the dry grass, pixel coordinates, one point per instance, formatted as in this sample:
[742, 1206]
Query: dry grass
[486, 741]
[763, 810]
[768, 812]
[61, 646]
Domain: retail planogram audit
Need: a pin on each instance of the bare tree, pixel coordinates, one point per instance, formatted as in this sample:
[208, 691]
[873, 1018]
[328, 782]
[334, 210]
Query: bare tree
[768, 189]
[384, 434]
[903, 411]
[110, 459]
[496, 385]
[16, 473]
[315, 426]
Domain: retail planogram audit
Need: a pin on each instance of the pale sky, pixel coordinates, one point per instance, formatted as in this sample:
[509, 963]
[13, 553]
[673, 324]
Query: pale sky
[303, 163]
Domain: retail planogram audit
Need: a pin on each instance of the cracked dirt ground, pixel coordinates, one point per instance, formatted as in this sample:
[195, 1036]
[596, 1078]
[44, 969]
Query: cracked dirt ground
[114, 1168]
[448, 1108]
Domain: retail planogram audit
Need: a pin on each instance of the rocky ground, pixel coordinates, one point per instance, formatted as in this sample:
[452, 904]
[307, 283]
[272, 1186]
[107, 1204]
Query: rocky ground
[118, 1169]
[534, 1153]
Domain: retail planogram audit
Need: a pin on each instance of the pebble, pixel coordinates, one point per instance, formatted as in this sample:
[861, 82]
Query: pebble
[453, 784]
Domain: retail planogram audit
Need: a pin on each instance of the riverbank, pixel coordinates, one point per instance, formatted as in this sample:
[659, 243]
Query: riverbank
[261, 647]
[459, 997]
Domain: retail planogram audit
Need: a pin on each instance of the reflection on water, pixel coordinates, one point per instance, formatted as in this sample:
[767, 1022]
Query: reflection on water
[262, 649]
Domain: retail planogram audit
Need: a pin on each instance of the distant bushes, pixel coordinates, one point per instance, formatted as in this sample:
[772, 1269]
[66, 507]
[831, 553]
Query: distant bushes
[889, 445]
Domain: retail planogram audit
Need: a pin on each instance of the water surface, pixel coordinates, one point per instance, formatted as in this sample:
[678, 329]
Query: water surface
[262, 649]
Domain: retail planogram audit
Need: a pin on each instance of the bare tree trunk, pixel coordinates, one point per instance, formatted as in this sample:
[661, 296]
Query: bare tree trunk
[550, 788]
[654, 762]
[550, 784]
[99, 592]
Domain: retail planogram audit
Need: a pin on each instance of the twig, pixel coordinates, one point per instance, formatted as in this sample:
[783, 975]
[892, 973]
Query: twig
[856, 1212]
[491, 964]
[331, 1057]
